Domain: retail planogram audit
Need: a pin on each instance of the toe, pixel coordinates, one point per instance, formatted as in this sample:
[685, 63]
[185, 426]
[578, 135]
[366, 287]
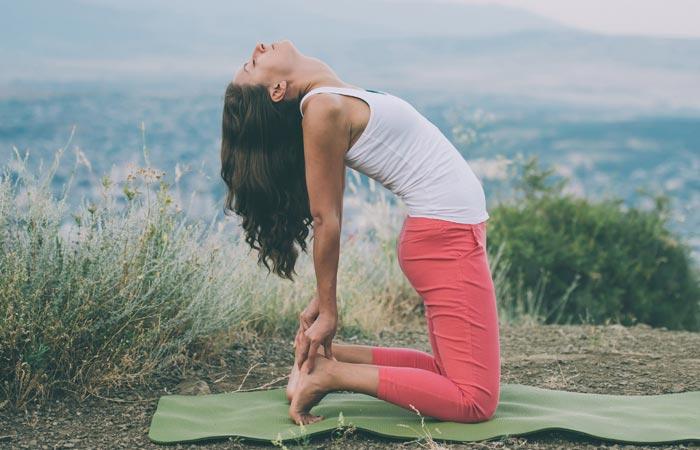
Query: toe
[314, 419]
[308, 419]
[295, 416]
[300, 417]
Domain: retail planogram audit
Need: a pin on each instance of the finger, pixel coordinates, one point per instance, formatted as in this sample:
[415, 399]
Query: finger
[301, 360]
[313, 351]
[297, 357]
[332, 356]
[308, 321]
[296, 337]
[304, 322]
[297, 341]
[303, 352]
[311, 362]
[328, 349]
[301, 338]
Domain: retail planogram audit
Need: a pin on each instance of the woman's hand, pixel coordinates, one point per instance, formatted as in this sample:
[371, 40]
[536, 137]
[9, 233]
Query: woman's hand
[321, 332]
[309, 314]
[306, 318]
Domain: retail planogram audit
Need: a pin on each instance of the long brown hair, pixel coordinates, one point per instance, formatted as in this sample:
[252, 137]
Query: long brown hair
[262, 163]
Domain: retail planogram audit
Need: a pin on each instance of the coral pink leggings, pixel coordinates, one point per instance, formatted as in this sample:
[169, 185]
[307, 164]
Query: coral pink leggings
[446, 263]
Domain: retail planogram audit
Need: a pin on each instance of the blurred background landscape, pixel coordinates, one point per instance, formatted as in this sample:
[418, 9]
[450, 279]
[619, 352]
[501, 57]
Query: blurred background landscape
[615, 113]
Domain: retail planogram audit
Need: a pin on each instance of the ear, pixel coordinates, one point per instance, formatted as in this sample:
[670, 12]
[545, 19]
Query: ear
[278, 91]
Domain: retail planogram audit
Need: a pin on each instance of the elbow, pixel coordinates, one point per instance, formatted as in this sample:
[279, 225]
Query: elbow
[325, 219]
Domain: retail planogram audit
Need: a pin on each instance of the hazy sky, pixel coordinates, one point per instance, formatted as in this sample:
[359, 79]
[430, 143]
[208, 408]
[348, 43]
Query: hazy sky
[673, 18]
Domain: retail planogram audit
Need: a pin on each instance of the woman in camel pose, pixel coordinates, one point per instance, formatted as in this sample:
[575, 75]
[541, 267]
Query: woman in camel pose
[290, 127]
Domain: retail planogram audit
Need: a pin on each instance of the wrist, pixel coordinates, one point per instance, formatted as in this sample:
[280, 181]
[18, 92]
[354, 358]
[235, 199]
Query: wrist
[327, 304]
[328, 310]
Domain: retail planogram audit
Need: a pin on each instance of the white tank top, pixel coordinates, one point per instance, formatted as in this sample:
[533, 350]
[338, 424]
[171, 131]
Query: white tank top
[410, 156]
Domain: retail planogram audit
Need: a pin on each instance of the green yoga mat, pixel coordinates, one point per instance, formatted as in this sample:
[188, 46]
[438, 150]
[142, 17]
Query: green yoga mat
[262, 416]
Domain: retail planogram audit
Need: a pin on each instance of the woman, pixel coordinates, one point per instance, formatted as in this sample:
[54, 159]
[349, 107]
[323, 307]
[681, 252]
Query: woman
[290, 126]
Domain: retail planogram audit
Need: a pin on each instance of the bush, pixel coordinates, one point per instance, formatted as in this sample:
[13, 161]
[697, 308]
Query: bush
[125, 287]
[627, 266]
[118, 294]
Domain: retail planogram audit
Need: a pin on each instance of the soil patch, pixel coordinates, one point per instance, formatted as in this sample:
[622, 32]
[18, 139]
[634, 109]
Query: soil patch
[584, 358]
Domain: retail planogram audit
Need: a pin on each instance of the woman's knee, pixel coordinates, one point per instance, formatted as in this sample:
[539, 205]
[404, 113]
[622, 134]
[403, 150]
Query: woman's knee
[478, 405]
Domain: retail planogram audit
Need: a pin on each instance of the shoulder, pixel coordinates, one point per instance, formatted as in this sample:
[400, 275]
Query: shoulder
[325, 125]
[325, 119]
[322, 106]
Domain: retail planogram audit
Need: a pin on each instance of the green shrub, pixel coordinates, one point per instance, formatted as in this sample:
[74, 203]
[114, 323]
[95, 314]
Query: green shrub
[628, 267]
[108, 294]
[126, 287]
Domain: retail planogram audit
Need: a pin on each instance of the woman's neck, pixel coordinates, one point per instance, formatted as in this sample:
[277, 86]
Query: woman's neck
[323, 76]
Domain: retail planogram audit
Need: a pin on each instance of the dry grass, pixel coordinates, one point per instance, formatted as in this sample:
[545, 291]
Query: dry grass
[127, 286]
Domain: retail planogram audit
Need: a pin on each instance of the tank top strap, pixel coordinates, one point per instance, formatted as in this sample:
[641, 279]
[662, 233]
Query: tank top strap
[362, 93]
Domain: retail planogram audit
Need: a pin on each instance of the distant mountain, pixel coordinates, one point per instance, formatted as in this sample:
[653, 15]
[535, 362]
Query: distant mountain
[435, 49]
[637, 74]
[615, 113]
[122, 28]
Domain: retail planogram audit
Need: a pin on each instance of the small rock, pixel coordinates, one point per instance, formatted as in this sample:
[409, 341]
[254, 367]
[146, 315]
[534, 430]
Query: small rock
[193, 387]
[677, 388]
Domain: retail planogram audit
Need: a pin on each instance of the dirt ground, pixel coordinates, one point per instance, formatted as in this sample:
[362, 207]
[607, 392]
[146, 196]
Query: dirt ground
[602, 359]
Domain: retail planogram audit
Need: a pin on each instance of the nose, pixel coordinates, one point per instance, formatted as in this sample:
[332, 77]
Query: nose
[259, 48]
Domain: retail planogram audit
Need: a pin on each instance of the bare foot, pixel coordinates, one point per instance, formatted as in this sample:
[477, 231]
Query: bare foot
[310, 389]
[294, 377]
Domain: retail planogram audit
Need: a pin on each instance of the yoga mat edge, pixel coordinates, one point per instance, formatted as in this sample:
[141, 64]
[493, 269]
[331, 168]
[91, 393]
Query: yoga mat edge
[262, 416]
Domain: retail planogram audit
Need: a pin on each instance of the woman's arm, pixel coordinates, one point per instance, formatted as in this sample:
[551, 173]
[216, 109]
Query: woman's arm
[326, 253]
[325, 143]
[325, 127]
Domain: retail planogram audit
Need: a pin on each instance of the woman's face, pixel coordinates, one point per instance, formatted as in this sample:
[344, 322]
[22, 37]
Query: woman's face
[269, 64]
